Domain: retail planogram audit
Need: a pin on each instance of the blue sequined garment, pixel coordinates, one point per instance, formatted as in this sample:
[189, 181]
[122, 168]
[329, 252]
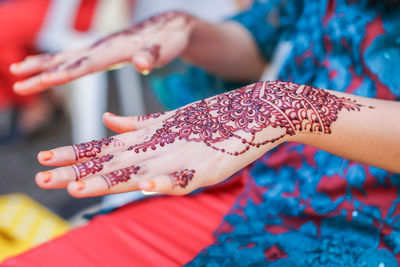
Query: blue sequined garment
[302, 206]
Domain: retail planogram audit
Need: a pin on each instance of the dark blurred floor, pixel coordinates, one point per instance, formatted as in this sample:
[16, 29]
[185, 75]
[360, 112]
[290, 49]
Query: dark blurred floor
[19, 165]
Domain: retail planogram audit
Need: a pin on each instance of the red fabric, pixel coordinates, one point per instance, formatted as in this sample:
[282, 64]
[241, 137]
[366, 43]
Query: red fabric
[162, 231]
[21, 21]
[85, 14]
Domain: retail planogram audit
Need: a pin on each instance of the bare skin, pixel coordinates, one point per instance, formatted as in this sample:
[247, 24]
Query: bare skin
[218, 136]
[204, 142]
[150, 44]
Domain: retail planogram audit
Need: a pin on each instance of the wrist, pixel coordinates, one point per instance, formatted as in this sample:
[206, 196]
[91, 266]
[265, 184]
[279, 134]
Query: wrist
[292, 112]
[303, 111]
[198, 35]
[226, 50]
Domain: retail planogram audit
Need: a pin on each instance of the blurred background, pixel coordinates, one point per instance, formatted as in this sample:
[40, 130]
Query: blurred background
[72, 113]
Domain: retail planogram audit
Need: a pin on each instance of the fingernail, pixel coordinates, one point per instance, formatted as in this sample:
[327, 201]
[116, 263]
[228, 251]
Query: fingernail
[80, 185]
[18, 85]
[46, 155]
[147, 185]
[46, 176]
[47, 76]
[14, 66]
[145, 72]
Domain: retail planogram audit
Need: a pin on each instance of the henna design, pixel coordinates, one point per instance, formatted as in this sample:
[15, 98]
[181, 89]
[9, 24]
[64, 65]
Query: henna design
[77, 63]
[154, 51]
[242, 113]
[149, 27]
[150, 116]
[91, 149]
[90, 167]
[182, 178]
[156, 22]
[118, 143]
[120, 176]
[43, 58]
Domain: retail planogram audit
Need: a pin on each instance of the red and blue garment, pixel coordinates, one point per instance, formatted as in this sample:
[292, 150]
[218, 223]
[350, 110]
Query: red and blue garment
[295, 206]
[302, 206]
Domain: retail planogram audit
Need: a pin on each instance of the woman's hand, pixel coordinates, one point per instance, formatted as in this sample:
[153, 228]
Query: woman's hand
[197, 145]
[154, 42]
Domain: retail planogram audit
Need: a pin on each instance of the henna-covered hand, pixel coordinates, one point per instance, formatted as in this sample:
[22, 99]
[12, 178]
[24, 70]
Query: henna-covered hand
[153, 42]
[197, 145]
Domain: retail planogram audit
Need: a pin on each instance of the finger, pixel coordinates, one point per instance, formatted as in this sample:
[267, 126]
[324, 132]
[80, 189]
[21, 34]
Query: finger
[40, 82]
[63, 74]
[119, 181]
[125, 179]
[60, 177]
[160, 184]
[117, 123]
[43, 62]
[37, 63]
[68, 155]
[122, 124]
[146, 59]
[175, 183]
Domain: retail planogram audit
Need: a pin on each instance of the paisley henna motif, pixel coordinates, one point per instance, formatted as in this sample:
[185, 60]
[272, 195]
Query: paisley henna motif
[90, 167]
[182, 178]
[242, 113]
[120, 176]
[91, 149]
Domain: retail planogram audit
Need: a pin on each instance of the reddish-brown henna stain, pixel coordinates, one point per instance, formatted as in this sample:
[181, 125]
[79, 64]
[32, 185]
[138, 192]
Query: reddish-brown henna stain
[77, 63]
[45, 58]
[245, 111]
[157, 22]
[90, 167]
[91, 149]
[182, 178]
[120, 176]
[154, 51]
[154, 23]
[150, 116]
[118, 143]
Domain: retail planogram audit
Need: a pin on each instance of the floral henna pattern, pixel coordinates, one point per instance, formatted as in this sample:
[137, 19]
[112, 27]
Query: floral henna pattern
[90, 167]
[91, 149]
[182, 178]
[148, 27]
[120, 176]
[242, 113]
[152, 25]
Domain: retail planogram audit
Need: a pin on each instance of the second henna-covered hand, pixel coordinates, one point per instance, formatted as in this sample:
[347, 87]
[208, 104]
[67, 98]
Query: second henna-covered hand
[149, 44]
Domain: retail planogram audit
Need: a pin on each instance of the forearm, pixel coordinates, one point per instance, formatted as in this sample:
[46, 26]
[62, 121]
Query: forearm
[226, 50]
[369, 135]
[363, 129]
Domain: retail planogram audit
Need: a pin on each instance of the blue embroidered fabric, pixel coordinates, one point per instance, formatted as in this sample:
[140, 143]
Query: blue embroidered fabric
[302, 206]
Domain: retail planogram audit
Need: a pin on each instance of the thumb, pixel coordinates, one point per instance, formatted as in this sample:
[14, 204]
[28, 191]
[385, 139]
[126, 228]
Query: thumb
[123, 124]
[146, 59]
